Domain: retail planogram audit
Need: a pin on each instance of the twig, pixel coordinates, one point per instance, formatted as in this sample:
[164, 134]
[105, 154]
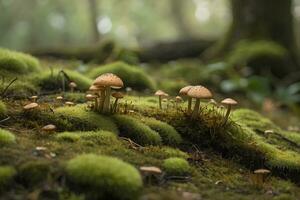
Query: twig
[11, 82]
[3, 120]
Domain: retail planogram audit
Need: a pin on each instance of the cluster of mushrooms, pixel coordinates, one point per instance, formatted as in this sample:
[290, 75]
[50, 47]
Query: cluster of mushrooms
[198, 93]
[101, 90]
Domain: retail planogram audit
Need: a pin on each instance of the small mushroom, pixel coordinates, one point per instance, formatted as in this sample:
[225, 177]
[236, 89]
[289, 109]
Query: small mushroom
[31, 106]
[49, 128]
[213, 102]
[97, 92]
[261, 175]
[178, 100]
[183, 92]
[107, 81]
[117, 95]
[34, 98]
[160, 94]
[59, 98]
[268, 132]
[198, 92]
[72, 85]
[150, 172]
[69, 103]
[229, 103]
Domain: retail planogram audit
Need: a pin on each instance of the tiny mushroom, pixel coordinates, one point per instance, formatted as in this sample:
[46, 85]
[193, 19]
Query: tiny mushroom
[117, 95]
[59, 98]
[69, 103]
[229, 102]
[31, 106]
[97, 92]
[160, 94]
[268, 132]
[183, 92]
[150, 172]
[260, 176]
[72, 85]
[198, 92]
[34, 98]
[49, 128]
[178, 100]
[107, 81]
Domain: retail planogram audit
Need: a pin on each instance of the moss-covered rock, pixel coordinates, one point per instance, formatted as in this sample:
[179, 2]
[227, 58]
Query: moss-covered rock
[6, 137]
[32, 173]
[137, 131]
[132, 76]
[167, 133]
[102, 177]
[176, 167]
[17, 62]
[3, 109]
[7, 174]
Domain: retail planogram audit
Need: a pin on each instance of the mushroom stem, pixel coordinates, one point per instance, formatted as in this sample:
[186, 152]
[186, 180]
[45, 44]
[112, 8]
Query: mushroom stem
[115, 105]
[189, 104]
[107, 100]
[96, 103]
[227, 114]
[196, 109]
[101, 100]
[159, 101]
[72, 89]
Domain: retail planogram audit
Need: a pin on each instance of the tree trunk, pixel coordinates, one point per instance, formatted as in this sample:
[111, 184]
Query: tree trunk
[259, 20]
[93, 10]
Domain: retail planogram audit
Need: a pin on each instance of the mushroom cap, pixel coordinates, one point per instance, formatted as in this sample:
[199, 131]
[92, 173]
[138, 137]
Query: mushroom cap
[199, 92]
[118, 95]
[178, 99]
[69, 103]
[30, 106]
[94, 88]
[59, 98]
[34, 97]
[212, 101]
[109, 80]
[159, 93]
[151, 169]
[90, 97]
[184, 90]
[268, 131]
[262, 171]
[72, 84]
[229, 101]
[49, 127]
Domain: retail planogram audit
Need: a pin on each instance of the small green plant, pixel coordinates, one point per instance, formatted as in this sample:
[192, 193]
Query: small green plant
[176, 167]
[103, 177]
[6, 137]
[137, 131]
[7, 174]
[132, 76]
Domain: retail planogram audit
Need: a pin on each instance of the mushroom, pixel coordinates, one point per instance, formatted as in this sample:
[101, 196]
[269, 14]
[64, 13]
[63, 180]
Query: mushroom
[150, 172]
[160, 94]
[213, 102]
[96, 91]
[31, 106]
[49, 128]
[34, 98]
[183, 91]
[198, 92]
[107, 81]
[268, 132]
[178, 100]
[59, 98]
[69, 103]
[229, 103]
[72, 85]
[260, 175]
[91, 97]
[117, 95]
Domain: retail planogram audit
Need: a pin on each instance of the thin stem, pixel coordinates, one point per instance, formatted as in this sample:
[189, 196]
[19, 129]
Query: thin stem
[196, 109]
[115, 105]
[189, 104]
[159, 101]
[107, 100]
[227, 114]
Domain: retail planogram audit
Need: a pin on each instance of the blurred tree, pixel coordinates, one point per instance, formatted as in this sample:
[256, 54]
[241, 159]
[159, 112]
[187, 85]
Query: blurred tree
[177, 11]
[93, 10]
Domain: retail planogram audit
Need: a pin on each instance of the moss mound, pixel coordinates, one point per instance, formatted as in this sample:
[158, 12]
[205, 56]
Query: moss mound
[3, 109]
[176, 167]
[164, 152]
[32, 173]
[68, 137]
[17, 62]
[53, 81]
[6, 137]
[103, 177]
[20, 89]
[167, 132]
[137, 131]
[7, 174]
[132, 76]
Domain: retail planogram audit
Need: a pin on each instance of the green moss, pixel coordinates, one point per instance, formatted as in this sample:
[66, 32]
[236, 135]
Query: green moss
[102, 177]
[75, 97]
[50, 81]
[68, 137]
[136, 130]
[176, 167]
[17, 62]
[6, 137]
[32, 173]
[7, 174]
[164, 152]
[3, 109]
[167, 133]
[172, 86]
[132, 76]
[20, 89]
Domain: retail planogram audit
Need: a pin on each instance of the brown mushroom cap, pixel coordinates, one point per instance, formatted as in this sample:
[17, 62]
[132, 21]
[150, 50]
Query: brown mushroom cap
[269, 131]
[94, 88]
[184, 90]
[151, 169]
[118, 95]
[159, 93]
[178, 99]
[30, 106]
[33, 97]
[69, 103]
[49, 127]
[72, 84]
[262, 171]
[90, 97]
[229, 101]
[199, 92]
[59, 98]
[108, 80]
